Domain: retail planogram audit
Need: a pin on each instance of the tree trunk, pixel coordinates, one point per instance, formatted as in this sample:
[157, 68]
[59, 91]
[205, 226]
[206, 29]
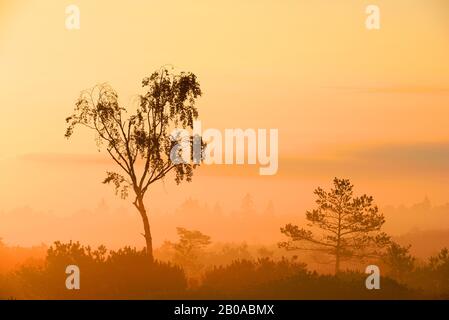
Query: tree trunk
[337, 262]
[146, 226]
[337, 249]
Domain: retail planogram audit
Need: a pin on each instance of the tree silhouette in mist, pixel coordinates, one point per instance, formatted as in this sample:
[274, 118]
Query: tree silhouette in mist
[350, 226]
[189, 247]
[399, 260]
[143, 136]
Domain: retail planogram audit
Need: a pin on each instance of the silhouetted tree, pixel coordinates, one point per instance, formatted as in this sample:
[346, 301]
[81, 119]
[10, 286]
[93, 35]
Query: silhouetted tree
[188, 248]
[399, 260]
[439, 266]
[350, 225]
[441, 260]
[169, 102]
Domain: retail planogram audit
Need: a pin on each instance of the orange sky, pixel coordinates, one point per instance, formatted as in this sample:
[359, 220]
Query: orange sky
[372, 106]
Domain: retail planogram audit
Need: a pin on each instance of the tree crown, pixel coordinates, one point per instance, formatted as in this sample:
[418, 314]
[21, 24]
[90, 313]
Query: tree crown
[167, 103]
[349, 225]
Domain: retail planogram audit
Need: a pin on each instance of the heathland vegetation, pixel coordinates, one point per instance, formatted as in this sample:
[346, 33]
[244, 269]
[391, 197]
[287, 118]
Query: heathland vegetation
[195, 267]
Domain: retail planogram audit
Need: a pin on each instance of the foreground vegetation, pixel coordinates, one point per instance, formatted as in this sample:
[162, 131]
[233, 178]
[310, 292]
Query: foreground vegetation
[127, 274]
[344, 230]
